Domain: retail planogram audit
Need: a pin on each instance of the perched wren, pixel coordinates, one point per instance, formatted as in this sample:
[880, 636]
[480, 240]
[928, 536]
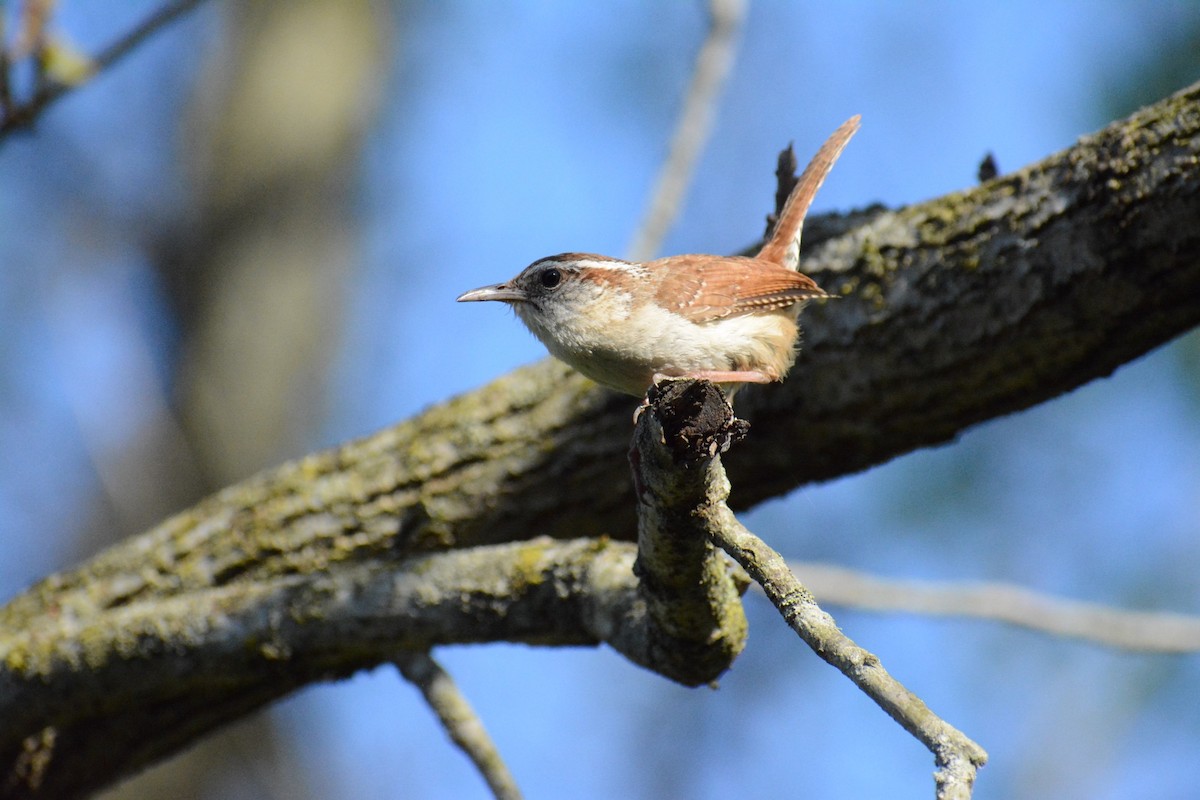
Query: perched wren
[626, 325]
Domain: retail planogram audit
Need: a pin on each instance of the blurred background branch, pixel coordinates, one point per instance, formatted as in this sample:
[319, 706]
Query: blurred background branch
[57, 66]
[710, 71]
[1002, 602]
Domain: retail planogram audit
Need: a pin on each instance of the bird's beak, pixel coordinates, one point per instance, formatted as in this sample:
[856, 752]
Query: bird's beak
[499, 291]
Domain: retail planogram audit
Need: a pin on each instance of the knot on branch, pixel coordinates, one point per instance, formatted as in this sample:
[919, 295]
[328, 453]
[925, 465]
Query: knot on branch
[696, 418]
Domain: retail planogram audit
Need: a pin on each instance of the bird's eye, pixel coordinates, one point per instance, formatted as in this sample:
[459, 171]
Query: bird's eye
[550, 278]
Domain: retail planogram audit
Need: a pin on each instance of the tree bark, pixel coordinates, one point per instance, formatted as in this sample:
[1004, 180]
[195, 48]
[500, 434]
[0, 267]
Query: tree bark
[951, 312]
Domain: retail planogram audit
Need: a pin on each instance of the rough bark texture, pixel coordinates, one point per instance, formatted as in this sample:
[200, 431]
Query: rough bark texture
[988, 301]
[90, 694]
[685, 585]
[953, 311]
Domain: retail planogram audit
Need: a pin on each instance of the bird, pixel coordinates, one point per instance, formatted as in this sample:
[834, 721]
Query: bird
[628, 325]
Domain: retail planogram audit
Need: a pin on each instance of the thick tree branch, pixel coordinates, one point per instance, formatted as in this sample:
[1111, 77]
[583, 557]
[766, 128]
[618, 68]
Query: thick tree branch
[953, 311]
[93, 693]
[685, 585]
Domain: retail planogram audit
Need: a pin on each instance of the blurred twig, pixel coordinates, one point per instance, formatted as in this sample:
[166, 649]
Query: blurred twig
[31, 28]
[31, 37]
[695, 123]
[459, 719]
[22, 113]
[5, 88]
[1002, 602]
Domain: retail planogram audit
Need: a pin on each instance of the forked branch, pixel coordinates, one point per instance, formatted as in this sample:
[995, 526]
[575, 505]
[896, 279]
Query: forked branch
[686, 428]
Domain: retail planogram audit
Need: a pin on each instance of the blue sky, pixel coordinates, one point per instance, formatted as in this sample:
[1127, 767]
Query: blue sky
[549, 122]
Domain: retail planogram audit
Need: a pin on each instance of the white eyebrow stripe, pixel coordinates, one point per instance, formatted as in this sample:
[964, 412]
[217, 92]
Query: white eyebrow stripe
[606, 264]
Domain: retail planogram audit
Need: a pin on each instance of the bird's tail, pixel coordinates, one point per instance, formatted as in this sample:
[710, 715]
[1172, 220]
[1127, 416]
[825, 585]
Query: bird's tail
[784, 246]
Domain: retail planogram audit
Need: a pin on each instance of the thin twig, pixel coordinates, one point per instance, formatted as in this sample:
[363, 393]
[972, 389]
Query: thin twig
[1003, 602]
[23, 114]
[957, 757]
[35, 16]
[459, 719]
[121, 47]
[712, 67]
[32, 18]
[5, 87]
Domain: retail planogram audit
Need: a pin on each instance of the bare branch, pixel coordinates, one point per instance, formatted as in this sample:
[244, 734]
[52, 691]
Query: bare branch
[1003, 602]
[680, 479]
[459, 719]
[139, 33]
[125, 673]
[18, 114]
[685, 583]
[5, 65]
[711, 69]
[33, 18]
[957, 757]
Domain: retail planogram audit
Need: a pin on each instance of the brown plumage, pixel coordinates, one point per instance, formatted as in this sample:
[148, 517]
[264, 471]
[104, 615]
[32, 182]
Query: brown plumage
[728, 319]
[704, 288]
